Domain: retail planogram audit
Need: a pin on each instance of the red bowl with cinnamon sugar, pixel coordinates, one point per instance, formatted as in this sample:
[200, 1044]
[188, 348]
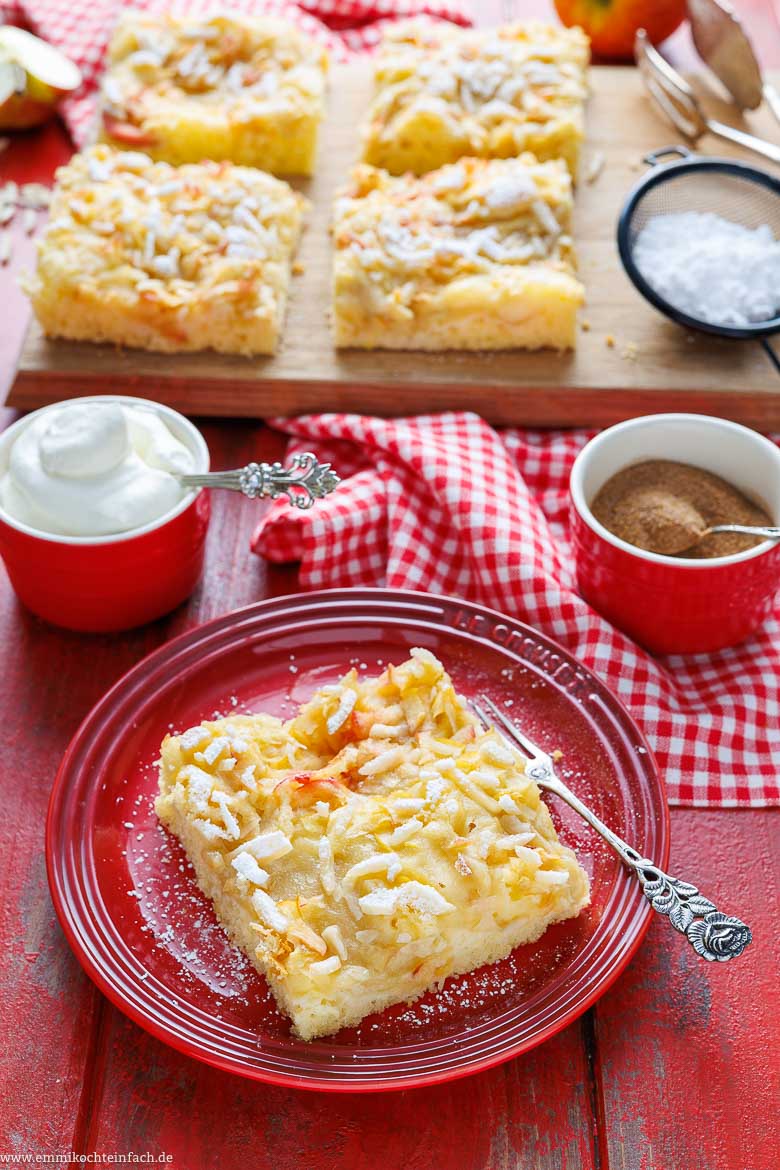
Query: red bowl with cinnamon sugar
[677, 605]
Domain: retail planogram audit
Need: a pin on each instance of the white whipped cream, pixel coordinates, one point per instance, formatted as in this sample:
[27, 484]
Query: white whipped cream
[94, 469]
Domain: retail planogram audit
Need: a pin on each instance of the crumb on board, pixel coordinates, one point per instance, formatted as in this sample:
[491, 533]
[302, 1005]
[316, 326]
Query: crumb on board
[628, 351]
[594, 166]
[298, 268]
[585, 325]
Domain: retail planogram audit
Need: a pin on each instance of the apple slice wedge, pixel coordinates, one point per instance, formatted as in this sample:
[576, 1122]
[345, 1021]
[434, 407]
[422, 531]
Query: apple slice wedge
[47, 76]
[125, 132]
[13, 80]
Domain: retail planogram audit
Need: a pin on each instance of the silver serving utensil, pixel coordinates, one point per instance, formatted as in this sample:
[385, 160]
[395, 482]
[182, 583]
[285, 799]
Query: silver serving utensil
[675, 98]
[684, 528]
[768, 532]
[714, 936]
[723, 45]
[304, 482]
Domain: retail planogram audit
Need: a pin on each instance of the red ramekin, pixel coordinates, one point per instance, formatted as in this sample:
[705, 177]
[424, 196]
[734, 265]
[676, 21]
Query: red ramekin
[676, 605]
[107, 583]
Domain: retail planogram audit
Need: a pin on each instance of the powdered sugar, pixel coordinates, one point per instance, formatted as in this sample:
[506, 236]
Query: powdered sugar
[710, 268]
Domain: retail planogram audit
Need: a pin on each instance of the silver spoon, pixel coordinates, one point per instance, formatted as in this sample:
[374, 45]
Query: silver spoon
[766, 533]
[672, 527]
[675, 98]
[679, 527]
[304, 482]
[723, 44]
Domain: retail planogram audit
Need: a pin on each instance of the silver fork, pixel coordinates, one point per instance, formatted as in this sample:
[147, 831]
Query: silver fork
[712, 935]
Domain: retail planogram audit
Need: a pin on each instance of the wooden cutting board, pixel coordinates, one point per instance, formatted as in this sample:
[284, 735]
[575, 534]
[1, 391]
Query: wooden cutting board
[598, 384]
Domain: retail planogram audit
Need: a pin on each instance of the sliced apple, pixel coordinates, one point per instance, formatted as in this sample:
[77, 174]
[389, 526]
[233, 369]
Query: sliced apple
[13, 80]
[126, 132]
[33, 77]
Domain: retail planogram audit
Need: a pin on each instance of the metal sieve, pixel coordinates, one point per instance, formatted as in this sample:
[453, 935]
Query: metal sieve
[736, 192]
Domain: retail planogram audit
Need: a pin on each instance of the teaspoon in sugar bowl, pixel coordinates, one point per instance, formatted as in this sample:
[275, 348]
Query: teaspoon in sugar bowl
[765, 533]
[674, 527]
[304, 482]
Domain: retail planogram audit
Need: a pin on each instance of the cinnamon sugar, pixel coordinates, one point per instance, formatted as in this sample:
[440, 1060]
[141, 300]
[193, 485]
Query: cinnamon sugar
[661, 506]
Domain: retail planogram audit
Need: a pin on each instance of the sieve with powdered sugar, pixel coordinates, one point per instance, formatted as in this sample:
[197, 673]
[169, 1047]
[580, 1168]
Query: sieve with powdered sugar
[700, 239]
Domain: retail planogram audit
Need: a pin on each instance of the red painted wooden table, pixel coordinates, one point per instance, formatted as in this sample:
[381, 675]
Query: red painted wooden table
[676, 1068]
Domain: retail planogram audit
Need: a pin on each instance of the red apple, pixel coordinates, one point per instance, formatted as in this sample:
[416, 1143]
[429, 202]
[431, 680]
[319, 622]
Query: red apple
[612, 24]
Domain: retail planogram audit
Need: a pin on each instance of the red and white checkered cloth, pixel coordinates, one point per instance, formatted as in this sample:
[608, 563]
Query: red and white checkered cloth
[444, 503]
[81, 28]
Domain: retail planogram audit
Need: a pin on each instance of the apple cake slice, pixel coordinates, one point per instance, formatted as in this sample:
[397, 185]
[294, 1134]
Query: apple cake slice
[370, 847]
[222, 86]
[166, 258]
[477, 255]
[444, 92]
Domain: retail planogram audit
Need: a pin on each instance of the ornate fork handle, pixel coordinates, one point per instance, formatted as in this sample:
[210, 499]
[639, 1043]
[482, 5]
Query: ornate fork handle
[305, 481]
[713, 935]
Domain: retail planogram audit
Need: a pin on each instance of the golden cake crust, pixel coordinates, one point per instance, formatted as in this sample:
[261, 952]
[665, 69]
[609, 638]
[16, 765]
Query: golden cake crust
[444, 92]
[247, 89]
[370, 847]
[174, 259]
[476, 255]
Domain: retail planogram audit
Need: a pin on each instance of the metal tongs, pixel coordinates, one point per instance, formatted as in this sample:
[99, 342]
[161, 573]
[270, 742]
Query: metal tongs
[723, 44]
[677, 101]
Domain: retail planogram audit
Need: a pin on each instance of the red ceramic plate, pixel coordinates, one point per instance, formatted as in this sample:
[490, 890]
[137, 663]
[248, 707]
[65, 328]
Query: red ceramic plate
[129, 906]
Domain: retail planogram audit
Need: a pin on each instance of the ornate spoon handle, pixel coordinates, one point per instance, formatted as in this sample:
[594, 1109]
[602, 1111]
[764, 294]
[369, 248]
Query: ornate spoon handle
[305, 481]
[713, 935]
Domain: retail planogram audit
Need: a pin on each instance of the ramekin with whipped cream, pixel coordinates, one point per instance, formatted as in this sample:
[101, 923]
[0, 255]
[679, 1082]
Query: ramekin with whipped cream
[96, 531]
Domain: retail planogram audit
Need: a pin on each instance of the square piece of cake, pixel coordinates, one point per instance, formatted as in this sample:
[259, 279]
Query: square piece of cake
[476, 255]
[370, 847]
[247, 89]
[444, 92]
[166, 258]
